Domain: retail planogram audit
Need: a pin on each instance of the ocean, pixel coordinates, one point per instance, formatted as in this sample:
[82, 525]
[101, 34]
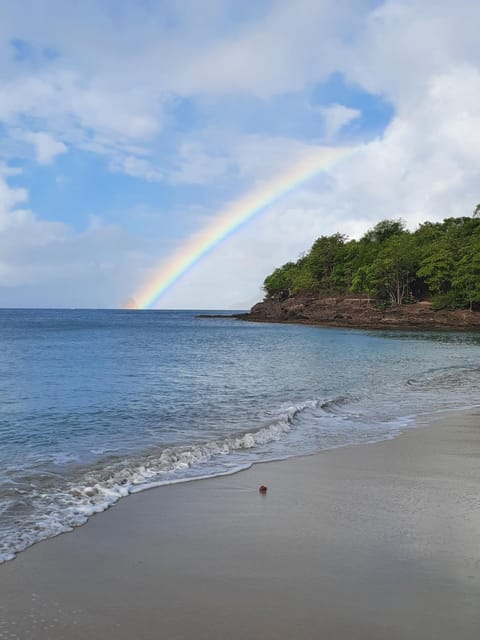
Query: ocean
[97, 404]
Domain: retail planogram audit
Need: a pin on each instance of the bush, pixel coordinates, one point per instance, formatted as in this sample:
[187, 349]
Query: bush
[449, 300]
[383, 305]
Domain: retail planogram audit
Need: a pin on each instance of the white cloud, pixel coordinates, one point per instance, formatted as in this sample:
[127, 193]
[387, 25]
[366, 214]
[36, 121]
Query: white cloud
[404, 44]
[78, 109]
[110, 93]
[47, 148]
[425, 167]
[294, 44]
[136, 166]
[336, 116]
[112, 77]
[196, 165]
[217, 154]
[45, 263]
[49, 264]
[9, 197]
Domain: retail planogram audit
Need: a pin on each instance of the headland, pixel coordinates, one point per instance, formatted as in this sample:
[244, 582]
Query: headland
[361, 312]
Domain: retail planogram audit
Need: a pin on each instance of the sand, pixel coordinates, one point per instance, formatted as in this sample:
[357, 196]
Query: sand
[374, 541]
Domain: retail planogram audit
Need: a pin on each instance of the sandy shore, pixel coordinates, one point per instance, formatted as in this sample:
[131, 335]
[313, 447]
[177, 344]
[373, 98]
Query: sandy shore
[371, 542]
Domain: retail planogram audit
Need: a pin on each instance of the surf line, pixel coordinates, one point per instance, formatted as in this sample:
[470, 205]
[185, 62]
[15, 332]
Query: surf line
[235, 215]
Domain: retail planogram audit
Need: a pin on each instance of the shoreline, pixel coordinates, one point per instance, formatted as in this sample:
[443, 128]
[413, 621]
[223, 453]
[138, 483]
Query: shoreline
[361, 313]
[364, 327]
[403, 423]
[331, 324]
[369, 541]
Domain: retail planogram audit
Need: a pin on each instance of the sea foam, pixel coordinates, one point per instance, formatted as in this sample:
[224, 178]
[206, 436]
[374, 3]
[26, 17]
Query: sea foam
[60, 509]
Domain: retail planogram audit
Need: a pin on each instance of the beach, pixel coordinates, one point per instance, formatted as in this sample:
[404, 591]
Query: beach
[371, 541]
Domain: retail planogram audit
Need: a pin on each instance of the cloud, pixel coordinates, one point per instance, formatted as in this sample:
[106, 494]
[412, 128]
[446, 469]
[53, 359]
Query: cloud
[198, 163]
[119, 89]
[110, 84]
[77, 109]
[404, 44]
[219, 156]
[424, 167]
[47, 148]
[47, 263]
[136, 166]
[291, 45]
[9, 197]
[336, 117]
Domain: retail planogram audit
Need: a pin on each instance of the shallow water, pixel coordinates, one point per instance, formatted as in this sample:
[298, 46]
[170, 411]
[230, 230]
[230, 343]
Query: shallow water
[97, 404]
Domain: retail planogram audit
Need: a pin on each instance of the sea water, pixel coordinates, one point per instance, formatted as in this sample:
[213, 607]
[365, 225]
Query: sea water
[97, 404]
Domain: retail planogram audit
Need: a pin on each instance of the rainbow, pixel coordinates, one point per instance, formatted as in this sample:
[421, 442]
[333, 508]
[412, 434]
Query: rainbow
[235, 215]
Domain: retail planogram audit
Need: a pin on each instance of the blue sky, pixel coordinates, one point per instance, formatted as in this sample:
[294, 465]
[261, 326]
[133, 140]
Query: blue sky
[126, 127]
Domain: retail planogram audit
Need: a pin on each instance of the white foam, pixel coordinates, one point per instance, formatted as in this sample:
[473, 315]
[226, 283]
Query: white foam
[70, 506]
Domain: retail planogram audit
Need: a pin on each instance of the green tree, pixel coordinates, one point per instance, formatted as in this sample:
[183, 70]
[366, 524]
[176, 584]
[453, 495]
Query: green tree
[437, 269]
[322, 259]
[280, 282]
[440, 260]
[466, 277]
[393, 272]
[364, 281]
[385, 229]
[441, 254]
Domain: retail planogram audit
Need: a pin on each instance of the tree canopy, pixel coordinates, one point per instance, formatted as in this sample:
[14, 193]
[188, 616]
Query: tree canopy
[438, 262]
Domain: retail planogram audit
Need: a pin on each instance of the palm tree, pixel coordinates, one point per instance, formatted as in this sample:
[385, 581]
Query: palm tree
[476, 211]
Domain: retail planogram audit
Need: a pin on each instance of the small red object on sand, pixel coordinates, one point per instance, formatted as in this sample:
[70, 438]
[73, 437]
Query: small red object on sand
[262, 488]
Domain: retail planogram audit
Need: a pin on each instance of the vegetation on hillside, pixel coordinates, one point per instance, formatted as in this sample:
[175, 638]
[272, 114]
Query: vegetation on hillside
[438, 262]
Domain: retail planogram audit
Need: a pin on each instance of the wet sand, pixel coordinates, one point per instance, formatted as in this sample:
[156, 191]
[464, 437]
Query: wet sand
[370, 542]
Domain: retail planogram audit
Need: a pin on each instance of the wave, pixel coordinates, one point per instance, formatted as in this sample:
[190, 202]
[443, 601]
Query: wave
[47, 502]
[52, 509]
[336, 404]
[448, 378]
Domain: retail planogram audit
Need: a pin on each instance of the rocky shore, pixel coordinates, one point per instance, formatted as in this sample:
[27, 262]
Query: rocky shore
[362, 313]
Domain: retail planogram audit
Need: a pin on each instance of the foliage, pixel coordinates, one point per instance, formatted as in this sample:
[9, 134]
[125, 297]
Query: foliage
[449, 300]
[439, 262]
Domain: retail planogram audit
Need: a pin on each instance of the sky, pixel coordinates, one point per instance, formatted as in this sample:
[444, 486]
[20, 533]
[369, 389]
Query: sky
[129, 126]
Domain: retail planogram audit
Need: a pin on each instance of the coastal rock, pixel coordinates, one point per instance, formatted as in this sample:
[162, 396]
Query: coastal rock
[361, 312]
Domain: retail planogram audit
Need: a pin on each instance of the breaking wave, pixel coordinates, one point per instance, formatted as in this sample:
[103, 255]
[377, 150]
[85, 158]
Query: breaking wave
[58, 503]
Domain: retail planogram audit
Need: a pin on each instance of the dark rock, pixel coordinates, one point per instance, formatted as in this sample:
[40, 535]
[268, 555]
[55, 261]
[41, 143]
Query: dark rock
[361, 312]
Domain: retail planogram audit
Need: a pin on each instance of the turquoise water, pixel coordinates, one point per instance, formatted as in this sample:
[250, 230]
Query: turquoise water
[97, 404]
